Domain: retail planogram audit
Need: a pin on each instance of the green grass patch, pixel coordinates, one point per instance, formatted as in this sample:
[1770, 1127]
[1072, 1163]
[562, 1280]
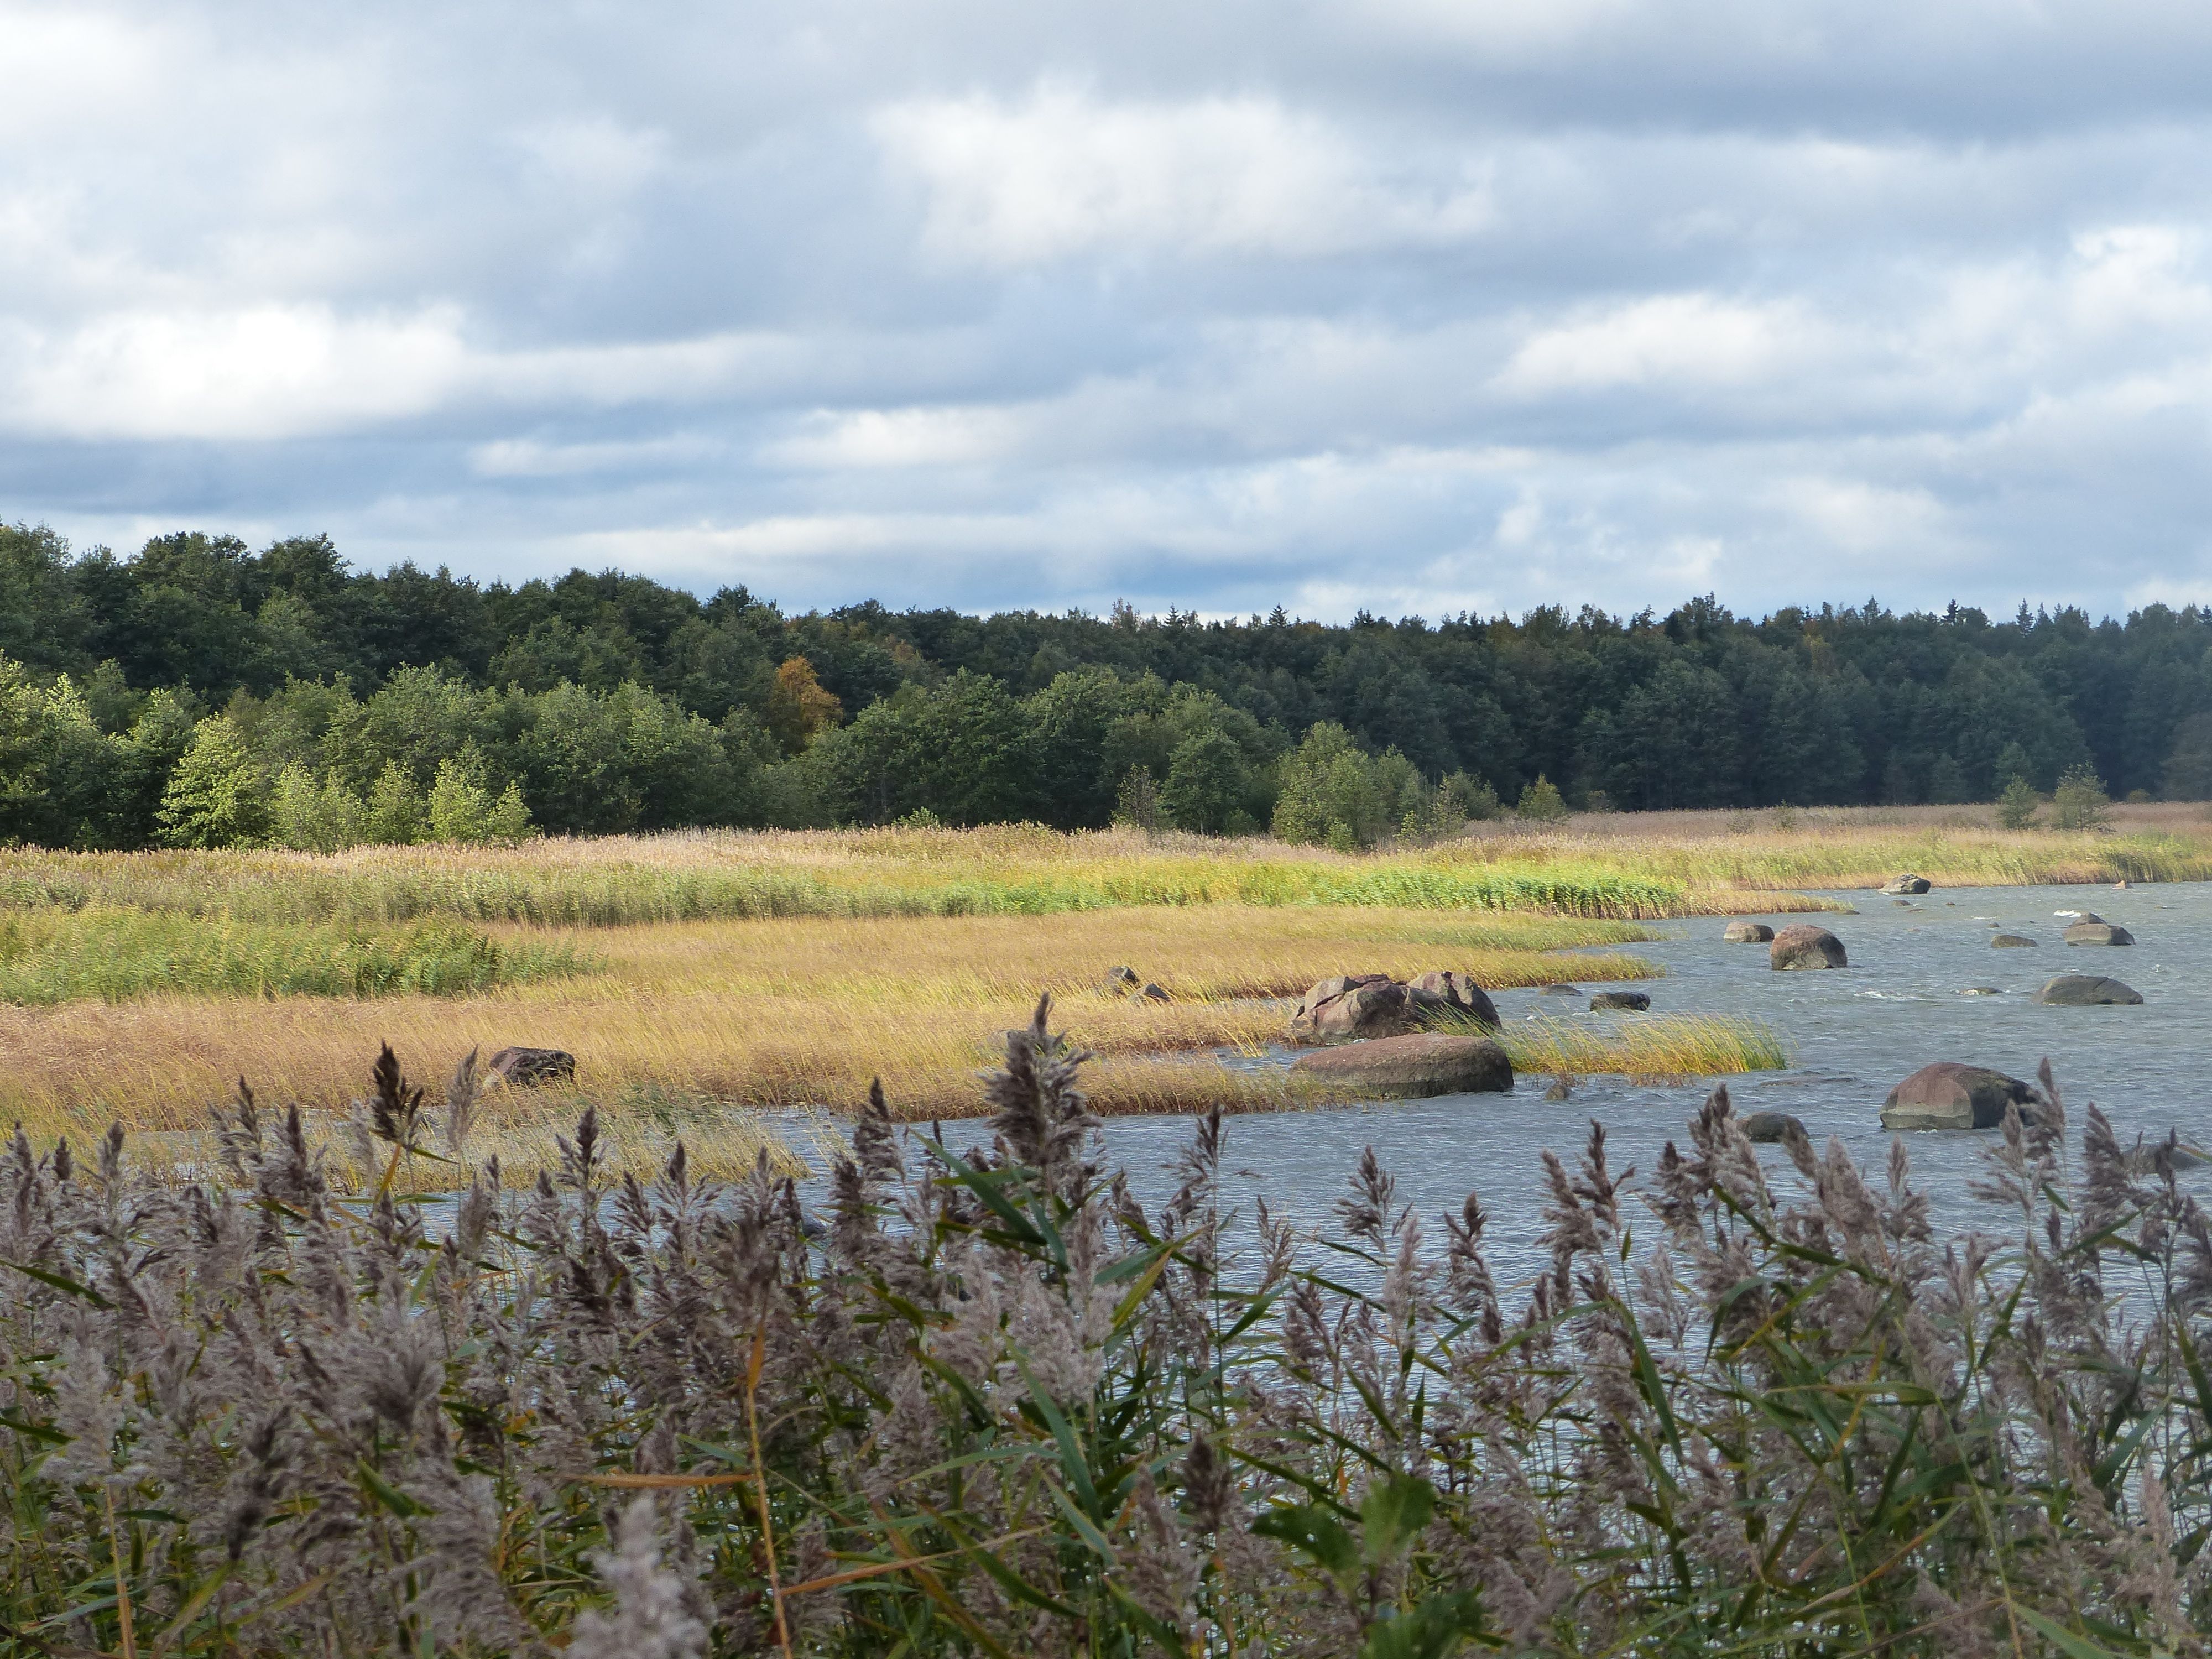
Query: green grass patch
[1643, 1045]
[119, 955]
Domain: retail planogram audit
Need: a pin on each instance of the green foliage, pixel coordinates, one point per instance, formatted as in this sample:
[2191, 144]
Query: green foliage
[315, 818]
[218, 793]
[2080, 801]
[1332, 793]
[605, 697]
[119, 956]
[462, 810]
[1207, 784]
[396, 811]
[1540, 802]
[2019, 803]
[1137, 802]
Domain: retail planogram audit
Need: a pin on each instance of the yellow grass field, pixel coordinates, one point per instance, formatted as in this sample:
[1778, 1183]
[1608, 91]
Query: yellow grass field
[724, 972]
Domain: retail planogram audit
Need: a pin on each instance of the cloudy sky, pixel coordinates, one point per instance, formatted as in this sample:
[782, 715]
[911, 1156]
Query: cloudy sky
[1414, 305]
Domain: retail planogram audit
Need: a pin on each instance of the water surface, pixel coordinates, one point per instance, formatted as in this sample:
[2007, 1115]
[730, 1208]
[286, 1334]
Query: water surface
[1852, 1034]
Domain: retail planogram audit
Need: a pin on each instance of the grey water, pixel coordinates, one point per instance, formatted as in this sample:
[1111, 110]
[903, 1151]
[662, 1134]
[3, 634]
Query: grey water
[1852, 1034]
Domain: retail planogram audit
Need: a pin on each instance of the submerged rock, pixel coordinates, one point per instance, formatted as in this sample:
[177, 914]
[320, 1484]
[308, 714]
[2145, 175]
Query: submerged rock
[1907, 883]
[2010, 942]
[1411, 1067]
[1806, 946]
[2087, 991]
[1747, 932]
[2172, 1152]
[1949, 1094]
[525, 1068]
[2091, 930]
[1979, 991]
[1768, 1128]
[1558, 991]
[1629, 1001]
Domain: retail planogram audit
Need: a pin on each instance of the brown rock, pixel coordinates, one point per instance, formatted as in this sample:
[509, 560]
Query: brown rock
[2010, 942]
[1747, 932]
[527, 1067]
[1770, 1127]
[1634, 1002]
[1360, 1007]
[1455, 994]
[1806, 946]
[1411, 1067]
[1907, 883]
[1952, 1095]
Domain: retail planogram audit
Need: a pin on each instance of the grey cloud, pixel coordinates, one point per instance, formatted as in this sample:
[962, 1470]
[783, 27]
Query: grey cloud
[1413, 306]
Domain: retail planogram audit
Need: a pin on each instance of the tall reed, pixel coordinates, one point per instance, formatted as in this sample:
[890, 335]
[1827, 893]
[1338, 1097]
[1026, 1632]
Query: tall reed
[984, 1402]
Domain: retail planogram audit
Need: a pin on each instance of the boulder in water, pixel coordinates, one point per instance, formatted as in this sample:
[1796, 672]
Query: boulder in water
[2096, 930]
[1635, 1002]
[1360, 1007]
[1558, 990]
[1806, 946]
[1907, 883]
[1410, 1067]
[1747, 932]
[1952, 1095]
[2087, 991]
[2010, 942]
[1769, 1128]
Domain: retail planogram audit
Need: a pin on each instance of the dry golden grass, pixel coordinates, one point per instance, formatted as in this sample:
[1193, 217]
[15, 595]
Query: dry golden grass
[694, 1024]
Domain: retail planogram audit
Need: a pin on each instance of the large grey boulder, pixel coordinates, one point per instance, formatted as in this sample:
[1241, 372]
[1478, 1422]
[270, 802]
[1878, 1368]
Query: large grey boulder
[2087, 991]
[1806, 946]
[1747, 932]
[2097, 931]
[2010, 942]
[1952, 1095]
[1360, 1007]
[1907, 883]
[1411, 1067]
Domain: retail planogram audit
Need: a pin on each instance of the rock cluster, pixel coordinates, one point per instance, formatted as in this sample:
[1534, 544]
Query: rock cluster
[1907, 883]
[1361, 1007]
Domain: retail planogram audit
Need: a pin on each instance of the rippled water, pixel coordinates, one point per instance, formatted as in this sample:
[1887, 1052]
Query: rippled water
[1852, 1034]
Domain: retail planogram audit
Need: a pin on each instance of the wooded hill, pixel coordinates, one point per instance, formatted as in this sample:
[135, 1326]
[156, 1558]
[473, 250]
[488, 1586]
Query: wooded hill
[283, 688]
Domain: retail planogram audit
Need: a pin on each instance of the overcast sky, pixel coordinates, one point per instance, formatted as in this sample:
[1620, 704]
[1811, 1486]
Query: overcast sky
[1413, 304]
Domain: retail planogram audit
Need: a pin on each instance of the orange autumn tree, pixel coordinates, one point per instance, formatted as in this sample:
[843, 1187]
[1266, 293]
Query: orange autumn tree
[799, 706]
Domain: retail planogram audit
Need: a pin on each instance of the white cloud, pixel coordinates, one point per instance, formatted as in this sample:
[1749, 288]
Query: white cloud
[264, 372]
[1063, 173]
[1674, 339]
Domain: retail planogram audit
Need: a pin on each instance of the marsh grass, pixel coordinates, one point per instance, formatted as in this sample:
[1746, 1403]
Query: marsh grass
[48, 956]
[1642, 1046]
[986, 1402]
[722, 1018]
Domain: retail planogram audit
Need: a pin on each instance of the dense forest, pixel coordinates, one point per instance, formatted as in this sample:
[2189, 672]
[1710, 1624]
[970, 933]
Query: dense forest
[200, 693]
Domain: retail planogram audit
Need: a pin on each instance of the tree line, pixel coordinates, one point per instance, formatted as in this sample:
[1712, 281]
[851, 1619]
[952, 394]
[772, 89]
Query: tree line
[198, 692]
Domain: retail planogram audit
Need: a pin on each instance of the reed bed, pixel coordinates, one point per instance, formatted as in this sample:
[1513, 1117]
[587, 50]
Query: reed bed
[48, 956]
[992, 1405]
[1641, 866]
[1644, 1046]
[724, 1018]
